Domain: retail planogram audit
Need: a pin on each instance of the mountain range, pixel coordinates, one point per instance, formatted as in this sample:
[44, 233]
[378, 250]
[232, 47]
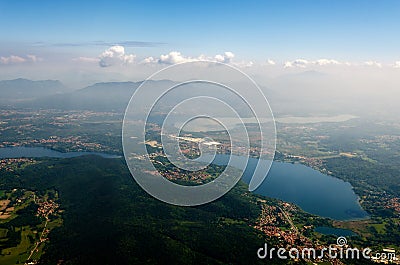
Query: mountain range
[20, 89]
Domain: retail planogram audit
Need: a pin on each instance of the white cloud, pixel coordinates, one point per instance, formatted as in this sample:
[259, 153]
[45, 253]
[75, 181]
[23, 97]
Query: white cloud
[149, 60]
[271, 62]
[176, 57]
[86, 60]
[173, 58]
[302, 63]
[396, 64]
[288, 65]
[225, 58]
[326, 62]
[373, 63]
[34, 58]
[296, 63]
[14, 59]
[115, 55]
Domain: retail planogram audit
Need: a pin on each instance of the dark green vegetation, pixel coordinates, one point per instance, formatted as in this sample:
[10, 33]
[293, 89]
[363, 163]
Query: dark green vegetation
[108, 219]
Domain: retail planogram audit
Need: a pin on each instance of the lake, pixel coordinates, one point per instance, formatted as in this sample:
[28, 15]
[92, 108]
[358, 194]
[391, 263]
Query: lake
[37, 152]
[311, 190]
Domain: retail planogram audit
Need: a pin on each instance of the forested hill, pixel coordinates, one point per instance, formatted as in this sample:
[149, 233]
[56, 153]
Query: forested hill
[109, 219]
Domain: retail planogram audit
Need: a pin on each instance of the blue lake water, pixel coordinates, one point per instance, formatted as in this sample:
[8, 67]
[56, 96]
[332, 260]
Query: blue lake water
[37, 152]
[313, 191]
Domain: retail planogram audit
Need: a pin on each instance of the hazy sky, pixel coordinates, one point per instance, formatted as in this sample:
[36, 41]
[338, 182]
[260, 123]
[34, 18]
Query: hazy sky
[80, 42]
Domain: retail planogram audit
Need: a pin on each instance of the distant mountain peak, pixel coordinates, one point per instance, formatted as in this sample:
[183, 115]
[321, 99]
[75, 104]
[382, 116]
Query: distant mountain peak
[22, 89]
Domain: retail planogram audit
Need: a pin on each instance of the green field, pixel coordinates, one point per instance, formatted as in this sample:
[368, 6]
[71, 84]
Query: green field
[380, 228]
[17, 254]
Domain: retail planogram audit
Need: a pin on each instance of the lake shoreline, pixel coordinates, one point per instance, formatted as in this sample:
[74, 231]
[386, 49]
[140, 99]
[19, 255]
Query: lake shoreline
[44, 152]
[355, 212]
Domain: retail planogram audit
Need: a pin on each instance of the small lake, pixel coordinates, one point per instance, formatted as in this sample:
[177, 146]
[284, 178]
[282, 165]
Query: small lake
[311, 190]
[37, 152]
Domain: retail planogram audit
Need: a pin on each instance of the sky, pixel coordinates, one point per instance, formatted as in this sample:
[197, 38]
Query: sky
[87, 41]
